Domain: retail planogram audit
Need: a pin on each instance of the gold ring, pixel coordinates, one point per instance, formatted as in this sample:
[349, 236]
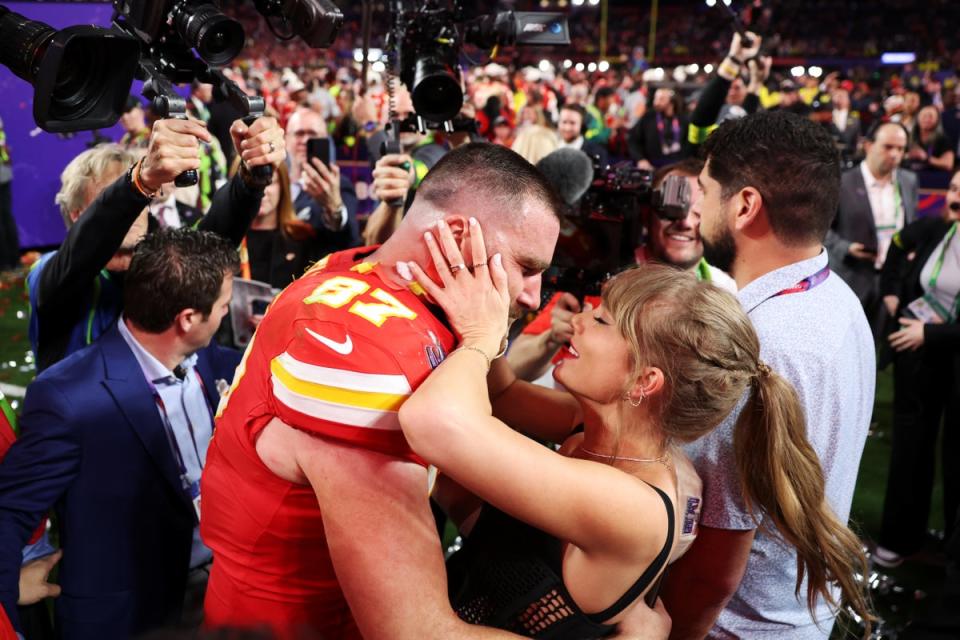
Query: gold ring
[479, 264]
[457, 267]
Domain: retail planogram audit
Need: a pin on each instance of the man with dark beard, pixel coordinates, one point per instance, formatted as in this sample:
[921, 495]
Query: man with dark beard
[770, 190]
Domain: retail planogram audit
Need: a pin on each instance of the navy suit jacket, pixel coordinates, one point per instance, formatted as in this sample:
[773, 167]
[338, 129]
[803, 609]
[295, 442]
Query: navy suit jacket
[93, 447]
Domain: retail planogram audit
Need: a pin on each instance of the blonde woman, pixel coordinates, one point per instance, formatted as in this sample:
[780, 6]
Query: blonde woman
[567, 541]
[534, 141]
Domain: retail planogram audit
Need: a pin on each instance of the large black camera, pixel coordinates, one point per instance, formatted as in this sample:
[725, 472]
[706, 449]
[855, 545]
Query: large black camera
[82, 75]
[601, 235]
[427, 39]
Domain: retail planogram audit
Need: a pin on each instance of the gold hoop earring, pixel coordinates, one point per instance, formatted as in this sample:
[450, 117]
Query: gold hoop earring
[632, 403]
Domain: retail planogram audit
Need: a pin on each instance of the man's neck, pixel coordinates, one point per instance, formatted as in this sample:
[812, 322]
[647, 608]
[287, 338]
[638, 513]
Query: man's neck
[766, 256]
[879, 177]
[162, 346]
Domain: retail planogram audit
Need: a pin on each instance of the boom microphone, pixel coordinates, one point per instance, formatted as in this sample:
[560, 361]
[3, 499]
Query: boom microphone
[570, 171]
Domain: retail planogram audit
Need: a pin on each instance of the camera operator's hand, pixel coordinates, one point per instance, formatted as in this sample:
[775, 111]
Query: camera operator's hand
[174, 148]
[759, 72]
[390, 180]
[561, 319]
[739, 52]
[323, 185]
[262, 143]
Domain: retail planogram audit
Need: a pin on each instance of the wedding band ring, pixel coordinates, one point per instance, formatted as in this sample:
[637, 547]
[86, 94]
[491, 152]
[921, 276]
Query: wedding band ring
[457, 267]
[479, 264]
[272, 148]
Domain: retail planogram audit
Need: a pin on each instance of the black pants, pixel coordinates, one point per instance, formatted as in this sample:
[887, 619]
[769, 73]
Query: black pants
[925, 389]
[9, 237]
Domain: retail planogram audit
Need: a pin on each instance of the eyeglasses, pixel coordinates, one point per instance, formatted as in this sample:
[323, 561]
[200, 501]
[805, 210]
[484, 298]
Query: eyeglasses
[305, 133]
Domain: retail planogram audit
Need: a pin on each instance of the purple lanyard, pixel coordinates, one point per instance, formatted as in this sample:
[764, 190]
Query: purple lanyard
[806, 284]
[168, 426]
[675, 126]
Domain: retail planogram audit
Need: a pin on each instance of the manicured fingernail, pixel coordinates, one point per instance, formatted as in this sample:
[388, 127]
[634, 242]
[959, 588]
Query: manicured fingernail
[428, 236]
[441, 224]
[497, 259]
[404, 270]
[473, 221]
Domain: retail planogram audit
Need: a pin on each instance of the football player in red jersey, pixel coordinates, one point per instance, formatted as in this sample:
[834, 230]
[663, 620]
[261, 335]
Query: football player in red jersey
[314, 505]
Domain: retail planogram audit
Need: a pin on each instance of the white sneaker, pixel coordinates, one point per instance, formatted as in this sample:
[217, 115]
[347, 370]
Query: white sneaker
[886, 558]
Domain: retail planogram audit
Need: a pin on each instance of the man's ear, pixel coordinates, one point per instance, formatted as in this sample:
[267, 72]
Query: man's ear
[186, 320]
[748, 206]
[458, 227]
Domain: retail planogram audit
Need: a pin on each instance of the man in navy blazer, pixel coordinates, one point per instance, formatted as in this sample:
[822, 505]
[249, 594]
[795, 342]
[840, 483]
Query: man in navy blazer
[102, 445]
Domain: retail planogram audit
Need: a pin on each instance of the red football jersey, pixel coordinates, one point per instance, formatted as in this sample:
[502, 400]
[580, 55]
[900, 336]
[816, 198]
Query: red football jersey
[336, 354]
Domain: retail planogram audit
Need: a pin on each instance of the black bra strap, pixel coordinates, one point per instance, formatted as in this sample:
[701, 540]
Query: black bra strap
[648, 576]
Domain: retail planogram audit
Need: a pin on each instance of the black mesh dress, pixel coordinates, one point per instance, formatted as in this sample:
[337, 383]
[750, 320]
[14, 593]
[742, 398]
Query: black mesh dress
[509, 575]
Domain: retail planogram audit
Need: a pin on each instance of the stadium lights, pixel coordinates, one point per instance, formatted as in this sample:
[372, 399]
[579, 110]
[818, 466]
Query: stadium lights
[545, 66]
[708, 68]
[593, 3]
[898, 57]
[379, 67]
[372, 54]
[567, 63]
[693, 68]
[579, 66]
[604, 66]
[577, 3]
[711, 3]
[797, 71]
[815, 72]
[592, 67]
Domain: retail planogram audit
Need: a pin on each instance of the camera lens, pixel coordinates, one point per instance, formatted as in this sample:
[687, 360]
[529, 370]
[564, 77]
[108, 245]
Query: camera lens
[216, 38]
[436, 92]
[23, 43]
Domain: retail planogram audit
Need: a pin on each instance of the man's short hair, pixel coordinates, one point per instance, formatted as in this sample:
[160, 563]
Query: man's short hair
[172, 270]
[490, 169]
[790, 160]
[78, 174]
[874, 129]
[576, 109]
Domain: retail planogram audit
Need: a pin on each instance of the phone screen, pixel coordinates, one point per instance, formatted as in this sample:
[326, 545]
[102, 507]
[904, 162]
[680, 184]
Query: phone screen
[319, 148]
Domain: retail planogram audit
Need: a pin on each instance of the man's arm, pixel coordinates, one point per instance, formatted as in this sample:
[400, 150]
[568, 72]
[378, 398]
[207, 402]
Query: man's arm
[237, 203]
[699, 585]
[383, 542]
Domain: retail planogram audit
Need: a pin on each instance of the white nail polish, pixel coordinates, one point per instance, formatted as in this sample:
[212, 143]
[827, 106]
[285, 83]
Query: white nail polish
[404, 271]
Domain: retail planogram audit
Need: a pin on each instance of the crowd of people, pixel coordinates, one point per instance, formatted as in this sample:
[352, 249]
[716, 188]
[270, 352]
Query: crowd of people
[704, 413]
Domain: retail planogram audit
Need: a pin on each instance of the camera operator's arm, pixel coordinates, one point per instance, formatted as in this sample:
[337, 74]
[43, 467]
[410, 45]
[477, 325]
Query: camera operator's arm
[98, 233]
[391, 182]
[704, 117]
[759, 72]
[530, 355]
[236, 203]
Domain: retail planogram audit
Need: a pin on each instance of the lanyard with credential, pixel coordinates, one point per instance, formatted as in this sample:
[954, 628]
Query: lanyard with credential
[171, 435]
[897, 208]
[804, 285]
[937, 266]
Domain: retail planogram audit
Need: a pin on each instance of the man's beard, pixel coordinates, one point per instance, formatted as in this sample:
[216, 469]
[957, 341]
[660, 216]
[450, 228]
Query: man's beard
[720, 252]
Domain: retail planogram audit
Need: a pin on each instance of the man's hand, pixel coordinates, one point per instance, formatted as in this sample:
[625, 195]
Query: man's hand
[174, 148]
[910, 337]
[644, 623]
[323, 185]
[891, 303]
[390, 180]
[33, 579]
[262, 143]
[741, 53]
[561, 318]
[859, 251]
